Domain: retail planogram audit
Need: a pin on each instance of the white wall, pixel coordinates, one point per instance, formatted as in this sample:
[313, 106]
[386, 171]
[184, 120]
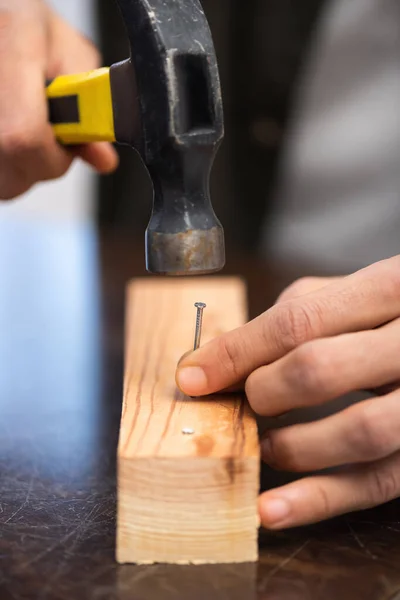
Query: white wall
[71, 197]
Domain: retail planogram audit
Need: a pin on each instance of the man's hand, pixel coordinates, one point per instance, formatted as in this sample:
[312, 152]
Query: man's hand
[312, 347]
[35, 45]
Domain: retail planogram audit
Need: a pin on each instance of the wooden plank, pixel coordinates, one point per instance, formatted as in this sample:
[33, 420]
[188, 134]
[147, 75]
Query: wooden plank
[183, 498]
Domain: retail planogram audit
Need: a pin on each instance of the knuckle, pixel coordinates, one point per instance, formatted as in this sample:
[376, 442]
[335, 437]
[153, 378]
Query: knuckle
[56, 170]
[32, 151]
[82, 55]
[19, 141]
[12, 183]
[284, 454]
[386, 274]
[296, 324]
[394, 266]
[12, 192]
[307, 369]
[297, 288]
[394, 279]
[322, 500]
[303, 371]
[229, 356]
[90, 55]
[384, 485]
[96, 56]
[371, 440]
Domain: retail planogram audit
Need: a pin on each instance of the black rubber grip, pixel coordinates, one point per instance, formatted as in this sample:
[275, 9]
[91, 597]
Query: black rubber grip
[64, 109]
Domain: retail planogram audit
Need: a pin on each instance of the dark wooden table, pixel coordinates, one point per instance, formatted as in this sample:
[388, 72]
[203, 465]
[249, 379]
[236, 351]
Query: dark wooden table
[61, 354]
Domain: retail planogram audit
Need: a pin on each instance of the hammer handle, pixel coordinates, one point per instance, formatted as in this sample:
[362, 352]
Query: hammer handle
[81, 108]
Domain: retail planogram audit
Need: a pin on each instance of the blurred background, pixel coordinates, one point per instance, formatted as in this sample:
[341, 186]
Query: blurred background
[308, 172]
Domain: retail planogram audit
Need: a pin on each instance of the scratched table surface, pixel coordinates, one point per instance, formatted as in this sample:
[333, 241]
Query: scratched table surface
[61, 358]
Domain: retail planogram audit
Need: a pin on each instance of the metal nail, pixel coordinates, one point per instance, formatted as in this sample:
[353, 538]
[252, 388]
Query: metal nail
[199, 320]
[187, 430]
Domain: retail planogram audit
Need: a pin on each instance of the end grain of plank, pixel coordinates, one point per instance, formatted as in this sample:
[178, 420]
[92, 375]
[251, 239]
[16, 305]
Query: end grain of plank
[183, 498]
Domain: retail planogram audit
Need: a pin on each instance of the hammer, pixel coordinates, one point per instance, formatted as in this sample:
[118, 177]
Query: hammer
[165, 102]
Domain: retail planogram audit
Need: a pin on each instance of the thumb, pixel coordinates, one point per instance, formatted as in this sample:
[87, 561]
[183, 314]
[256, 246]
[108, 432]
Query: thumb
[226, 360]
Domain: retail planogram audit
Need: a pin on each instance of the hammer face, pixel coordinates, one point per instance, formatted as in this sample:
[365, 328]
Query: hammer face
[184, 236]
[191, 252]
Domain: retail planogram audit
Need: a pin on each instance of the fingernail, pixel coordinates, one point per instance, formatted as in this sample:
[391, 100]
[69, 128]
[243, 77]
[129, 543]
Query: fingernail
[274, 511]
[184, 356]
[192, 381]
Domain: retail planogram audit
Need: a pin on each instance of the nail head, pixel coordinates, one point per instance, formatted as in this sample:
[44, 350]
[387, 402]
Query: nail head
[200, 305]
[187, 430]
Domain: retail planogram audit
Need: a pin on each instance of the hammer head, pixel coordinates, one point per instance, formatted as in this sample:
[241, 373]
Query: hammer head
[170, 92]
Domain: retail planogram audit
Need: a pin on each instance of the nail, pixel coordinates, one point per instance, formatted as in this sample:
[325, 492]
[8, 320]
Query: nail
[188, 430]
[184, 356]
[199, 321]
[192, 381]
[274, 511]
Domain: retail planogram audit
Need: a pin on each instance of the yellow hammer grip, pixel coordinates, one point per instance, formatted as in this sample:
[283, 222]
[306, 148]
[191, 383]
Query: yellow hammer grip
[80, 107]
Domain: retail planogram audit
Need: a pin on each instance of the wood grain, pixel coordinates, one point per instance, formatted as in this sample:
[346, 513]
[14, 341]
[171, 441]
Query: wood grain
[183, 498]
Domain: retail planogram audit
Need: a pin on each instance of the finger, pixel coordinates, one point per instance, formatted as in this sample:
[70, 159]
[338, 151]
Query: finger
[321, 497]
[325, 369]
[305, 285]
[82, 55]
[28, 150]
[357, 302]
[100, 155]
[29, 153]
[237, 387]
[70, 51]
[364, 432]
